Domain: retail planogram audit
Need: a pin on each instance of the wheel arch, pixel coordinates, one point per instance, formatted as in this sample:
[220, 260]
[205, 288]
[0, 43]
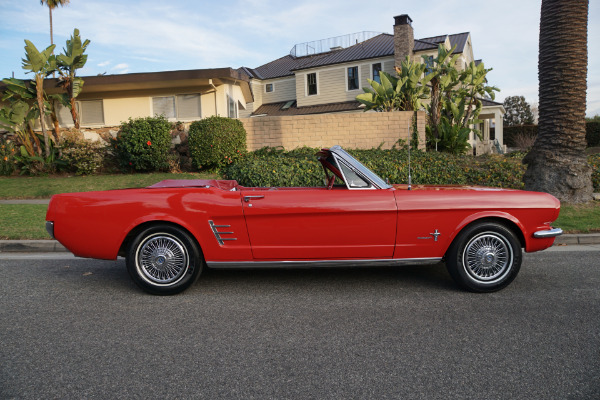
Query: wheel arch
[509, 223]
[147, 224]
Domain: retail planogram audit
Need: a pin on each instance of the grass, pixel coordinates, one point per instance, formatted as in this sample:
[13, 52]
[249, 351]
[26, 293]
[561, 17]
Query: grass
[583, 218]
[45, 186]
[23, 221]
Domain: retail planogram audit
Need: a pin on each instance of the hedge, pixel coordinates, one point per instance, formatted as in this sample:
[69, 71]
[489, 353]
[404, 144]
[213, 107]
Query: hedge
[300, 168]
[216, 141]
[592, 133]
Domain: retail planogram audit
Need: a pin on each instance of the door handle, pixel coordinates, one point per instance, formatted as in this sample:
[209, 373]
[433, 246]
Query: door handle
[248, 198]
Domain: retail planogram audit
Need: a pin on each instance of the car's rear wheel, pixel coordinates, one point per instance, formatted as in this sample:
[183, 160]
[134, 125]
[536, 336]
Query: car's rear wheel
[484, 257]
[163, 259]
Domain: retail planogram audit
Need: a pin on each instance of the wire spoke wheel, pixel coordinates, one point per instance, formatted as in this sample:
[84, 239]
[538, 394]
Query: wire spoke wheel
[487, 256]
[162, 259]
[484, 257]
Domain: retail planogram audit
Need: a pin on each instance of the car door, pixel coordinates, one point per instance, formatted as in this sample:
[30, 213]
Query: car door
[317, 223]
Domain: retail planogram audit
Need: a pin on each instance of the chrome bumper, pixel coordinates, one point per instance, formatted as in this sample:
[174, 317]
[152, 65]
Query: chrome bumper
[547, 234]
[50, 228]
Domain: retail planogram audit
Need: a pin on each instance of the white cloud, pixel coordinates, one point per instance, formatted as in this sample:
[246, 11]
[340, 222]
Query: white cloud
[104, 64]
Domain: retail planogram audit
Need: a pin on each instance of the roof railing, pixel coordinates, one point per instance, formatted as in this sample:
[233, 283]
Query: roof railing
[331, 44]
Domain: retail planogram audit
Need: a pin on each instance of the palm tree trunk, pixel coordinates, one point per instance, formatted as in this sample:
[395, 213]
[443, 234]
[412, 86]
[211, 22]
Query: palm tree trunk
[557, 163]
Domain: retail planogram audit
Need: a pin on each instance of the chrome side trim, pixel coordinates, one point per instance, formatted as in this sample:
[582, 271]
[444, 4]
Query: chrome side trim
[548, 233]
[321, 263]
[218, 234]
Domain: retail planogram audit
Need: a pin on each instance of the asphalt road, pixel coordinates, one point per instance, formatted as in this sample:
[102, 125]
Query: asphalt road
[73, 328]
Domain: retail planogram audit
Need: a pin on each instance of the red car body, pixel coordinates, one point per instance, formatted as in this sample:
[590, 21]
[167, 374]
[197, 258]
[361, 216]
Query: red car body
[235, 225]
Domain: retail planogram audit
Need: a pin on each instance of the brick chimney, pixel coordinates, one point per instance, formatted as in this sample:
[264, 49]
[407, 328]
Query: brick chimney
[404, 38]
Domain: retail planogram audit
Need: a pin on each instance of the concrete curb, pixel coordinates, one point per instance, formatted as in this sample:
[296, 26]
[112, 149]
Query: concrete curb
[52, 246]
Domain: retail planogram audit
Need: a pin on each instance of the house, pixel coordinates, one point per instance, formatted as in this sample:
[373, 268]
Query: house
[325, 76]
[188, 95]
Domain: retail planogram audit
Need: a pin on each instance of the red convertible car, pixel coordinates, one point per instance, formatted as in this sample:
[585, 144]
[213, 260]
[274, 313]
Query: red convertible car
[170, 231]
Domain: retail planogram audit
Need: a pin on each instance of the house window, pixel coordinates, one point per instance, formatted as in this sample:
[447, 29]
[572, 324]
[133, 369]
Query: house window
[269, 87]
[376, 71]
[92, 112]
[64, 115]
[232, 110]
[164, 106]
[182, 106]
[188, 106]
[311, 84]
[428, 64]
[352, 78]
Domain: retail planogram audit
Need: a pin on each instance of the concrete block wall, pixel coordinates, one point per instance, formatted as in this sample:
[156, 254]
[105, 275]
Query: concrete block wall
[350, 130]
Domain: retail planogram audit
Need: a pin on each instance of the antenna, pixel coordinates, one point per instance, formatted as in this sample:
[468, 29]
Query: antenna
[409, 177]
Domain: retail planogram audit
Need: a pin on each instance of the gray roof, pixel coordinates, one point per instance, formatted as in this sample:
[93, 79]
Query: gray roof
[379, 46]
[276, 109]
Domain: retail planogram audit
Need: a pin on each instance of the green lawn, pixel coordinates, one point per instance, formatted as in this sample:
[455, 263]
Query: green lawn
[44, 187]
[23, 221]
[579, 218]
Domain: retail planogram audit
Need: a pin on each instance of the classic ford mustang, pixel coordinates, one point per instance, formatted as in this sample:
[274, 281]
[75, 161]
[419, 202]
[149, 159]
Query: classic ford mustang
[170, 231]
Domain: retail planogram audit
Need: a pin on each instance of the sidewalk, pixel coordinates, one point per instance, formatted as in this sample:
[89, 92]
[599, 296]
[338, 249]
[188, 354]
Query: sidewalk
[52, 246]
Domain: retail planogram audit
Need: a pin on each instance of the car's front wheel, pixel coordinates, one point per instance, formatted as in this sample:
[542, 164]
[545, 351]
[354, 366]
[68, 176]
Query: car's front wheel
[484, 257]
[164, 260]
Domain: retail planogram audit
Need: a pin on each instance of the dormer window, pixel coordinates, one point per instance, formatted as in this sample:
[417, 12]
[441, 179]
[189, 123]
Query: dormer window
[269, 87]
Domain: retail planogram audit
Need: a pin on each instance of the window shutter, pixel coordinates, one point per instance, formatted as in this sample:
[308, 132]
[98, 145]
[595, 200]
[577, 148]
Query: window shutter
[64, 116]
[188, 106]
[164, 106]
[92, 112]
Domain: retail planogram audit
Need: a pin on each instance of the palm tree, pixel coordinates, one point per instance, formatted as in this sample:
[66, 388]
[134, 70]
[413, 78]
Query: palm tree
[557, 163]
[52, 4]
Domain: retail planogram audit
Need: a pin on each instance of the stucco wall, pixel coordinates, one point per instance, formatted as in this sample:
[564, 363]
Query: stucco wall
[351, 130]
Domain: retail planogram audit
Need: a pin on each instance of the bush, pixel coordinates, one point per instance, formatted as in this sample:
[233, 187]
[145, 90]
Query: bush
[216, 141]
[300, 168]
[512, 133]
[592, 133]
[143, 144]
[82, 156]
[594, 161]
[269, 167]
[7, 157]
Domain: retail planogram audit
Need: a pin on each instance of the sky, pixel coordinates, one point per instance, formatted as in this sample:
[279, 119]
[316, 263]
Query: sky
[147, 35]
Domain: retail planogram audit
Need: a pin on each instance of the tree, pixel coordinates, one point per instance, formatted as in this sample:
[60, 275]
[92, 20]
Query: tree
[19, 112]
[405, 93]
[443, 76]
[41, 64]
[557, 163]
[52, 4]
[518, 111]
[72, 59]
[455, 101]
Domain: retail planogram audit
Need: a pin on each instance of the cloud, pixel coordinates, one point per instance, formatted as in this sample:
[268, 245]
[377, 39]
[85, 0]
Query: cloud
[103, 64]
[121, 68]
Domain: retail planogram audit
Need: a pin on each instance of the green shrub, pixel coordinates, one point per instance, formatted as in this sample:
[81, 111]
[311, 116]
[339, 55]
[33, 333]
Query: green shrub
[216, 141]
[143, 144]
[300, 168]
[511, 133]
[7, 157]
[594, 161]
[82, 156]
[592, 133]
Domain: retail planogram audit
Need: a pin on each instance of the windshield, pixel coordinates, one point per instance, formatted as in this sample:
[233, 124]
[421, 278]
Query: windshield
[366, 172]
